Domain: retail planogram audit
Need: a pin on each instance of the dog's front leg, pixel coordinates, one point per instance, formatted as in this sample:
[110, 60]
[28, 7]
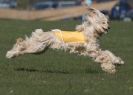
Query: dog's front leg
[104, 60]
[108, 61]
[113, 58]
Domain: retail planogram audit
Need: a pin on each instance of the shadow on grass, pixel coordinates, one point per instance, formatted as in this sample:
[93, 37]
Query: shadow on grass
[91, 71]
[35, 70]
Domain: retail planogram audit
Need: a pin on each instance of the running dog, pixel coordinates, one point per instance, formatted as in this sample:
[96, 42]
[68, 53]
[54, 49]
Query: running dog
[83, 41]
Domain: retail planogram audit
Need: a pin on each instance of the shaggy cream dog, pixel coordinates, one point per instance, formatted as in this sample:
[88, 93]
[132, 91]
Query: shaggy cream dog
[83, 41]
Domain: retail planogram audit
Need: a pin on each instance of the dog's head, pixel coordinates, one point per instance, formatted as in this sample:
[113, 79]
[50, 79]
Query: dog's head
[97, 20]
[18, 48]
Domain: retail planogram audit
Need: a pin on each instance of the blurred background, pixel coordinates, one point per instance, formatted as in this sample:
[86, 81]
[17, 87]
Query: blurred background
[64, 9]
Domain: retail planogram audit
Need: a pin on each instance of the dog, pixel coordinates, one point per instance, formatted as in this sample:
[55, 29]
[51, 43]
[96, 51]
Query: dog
[82, 41]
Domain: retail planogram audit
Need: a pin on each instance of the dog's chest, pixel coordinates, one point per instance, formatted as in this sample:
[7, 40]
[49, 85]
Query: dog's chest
[70, 36]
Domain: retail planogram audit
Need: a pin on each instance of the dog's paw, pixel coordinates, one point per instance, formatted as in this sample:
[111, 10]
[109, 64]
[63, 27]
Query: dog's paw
[108, 67]
[118, 61]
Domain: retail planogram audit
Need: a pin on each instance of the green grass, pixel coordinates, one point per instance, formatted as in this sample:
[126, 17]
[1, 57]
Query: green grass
[60, 73]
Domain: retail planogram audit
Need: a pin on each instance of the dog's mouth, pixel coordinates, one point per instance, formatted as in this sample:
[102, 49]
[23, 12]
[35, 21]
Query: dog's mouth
[101, 33]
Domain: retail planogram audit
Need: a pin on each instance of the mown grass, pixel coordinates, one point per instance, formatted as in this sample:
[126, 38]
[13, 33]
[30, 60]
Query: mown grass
[60, 73]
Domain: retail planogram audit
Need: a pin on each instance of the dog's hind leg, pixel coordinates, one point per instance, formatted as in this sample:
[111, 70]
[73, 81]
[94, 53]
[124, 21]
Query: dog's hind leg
[37, 42]
[39, 45]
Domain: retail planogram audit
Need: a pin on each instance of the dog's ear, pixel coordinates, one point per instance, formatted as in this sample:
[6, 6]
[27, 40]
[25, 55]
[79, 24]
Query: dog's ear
[19, 40]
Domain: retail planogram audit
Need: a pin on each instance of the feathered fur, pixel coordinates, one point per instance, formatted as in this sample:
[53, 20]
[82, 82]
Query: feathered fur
[95, 24]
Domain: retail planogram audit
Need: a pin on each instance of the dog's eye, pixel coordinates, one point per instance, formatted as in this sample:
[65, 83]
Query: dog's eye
[103, 23]
[94, 12]
[90, 9]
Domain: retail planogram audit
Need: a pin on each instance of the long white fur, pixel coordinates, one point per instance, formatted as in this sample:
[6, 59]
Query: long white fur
[94, 25]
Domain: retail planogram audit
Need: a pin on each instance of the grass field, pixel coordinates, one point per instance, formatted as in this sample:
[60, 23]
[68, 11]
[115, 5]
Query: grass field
[60, 73]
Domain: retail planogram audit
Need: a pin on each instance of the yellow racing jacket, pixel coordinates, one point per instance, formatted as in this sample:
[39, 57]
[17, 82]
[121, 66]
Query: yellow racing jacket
[70, 36]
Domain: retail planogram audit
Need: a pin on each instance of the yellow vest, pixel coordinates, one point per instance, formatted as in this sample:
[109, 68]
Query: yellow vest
[70, 36]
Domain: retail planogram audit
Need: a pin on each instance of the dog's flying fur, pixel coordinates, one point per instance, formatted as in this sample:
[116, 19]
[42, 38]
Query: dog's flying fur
[94, 25]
